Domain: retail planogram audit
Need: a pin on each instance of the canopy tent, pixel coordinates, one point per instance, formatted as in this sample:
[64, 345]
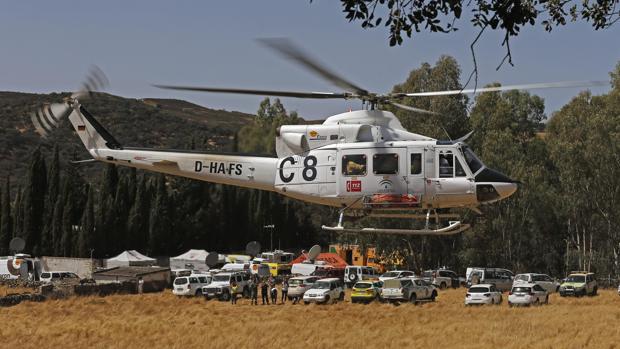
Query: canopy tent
[192, 259]
[130, 258]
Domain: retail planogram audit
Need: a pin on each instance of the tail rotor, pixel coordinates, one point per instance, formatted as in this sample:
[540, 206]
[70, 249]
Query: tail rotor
[49, 116]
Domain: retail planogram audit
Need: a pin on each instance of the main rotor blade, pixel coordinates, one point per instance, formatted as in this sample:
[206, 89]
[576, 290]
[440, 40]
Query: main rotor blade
[506, 88]
[319, 95]
[286, 48]
[417, 110]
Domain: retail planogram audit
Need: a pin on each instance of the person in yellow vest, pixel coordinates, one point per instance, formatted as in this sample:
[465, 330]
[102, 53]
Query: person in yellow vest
[233, 292]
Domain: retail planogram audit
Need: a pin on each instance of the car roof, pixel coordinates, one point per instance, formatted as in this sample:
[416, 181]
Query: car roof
[482, 285]
[529, 284]
[329, 279]
[304, 277]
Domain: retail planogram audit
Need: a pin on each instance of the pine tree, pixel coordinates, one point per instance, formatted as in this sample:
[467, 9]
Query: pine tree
[138, 220]
[34, 202]
[18, 213]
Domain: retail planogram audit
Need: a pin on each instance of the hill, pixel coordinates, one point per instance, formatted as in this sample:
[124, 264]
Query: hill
[150, 122]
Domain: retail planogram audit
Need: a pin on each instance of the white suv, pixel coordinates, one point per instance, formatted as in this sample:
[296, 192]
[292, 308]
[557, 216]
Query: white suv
[545, 281]
[190, 285]
[297, 286]
[527, 294]
[483, 294]
[220, 285]
[395, 274]
[324, 291]
[407, 289]
[354, 273]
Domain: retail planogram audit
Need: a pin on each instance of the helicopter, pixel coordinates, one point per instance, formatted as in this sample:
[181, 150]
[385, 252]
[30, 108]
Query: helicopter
[363, 162]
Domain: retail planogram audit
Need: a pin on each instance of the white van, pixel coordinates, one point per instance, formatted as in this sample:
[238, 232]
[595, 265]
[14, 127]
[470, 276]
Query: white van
[53, 276]
[190, 285]
[354, 273]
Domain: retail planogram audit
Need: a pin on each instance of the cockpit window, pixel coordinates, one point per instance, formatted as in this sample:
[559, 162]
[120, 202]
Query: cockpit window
[471, 159]
[459, 171]
[446, 165]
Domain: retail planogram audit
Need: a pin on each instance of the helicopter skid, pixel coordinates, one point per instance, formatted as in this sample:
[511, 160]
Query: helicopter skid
[454, 227]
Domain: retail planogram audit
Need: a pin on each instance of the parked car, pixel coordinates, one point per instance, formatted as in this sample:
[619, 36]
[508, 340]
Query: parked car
[395, 274]
[354, 273]
[220, 285]
[501, 278]
[325, 291]
[483, 294]
[407, 289]
[442, 278]
[53, 276]
[190, 285]
[366, 291]
[325, 273]
[544, 280]
[297, 286]
[528, 294]
[579, 283]
[618, 290]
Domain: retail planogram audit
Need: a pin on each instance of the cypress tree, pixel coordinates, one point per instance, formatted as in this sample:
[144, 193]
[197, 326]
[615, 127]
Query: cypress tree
[86, 235]
[34, 202]
[160, 227]
[138, 220]
[53, 194]
[6, 229]
[18, 214]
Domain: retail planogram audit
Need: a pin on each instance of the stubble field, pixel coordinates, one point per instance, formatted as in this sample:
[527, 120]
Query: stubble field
[165, 321]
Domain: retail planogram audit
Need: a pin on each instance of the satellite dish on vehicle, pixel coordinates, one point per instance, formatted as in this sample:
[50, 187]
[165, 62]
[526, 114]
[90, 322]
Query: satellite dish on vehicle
[212, 259]
[252, 248]
[314, 252]
[17, 244]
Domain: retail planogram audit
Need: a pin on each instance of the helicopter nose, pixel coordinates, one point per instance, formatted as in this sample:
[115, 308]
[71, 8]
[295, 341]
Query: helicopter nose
[492, 185]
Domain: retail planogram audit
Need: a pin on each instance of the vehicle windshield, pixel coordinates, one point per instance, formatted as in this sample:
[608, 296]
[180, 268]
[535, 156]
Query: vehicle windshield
[180, 281]
[521, 277]
[576, 278]
[295, 282]
[471, 159]
[478, 290]
[221, 278]
[363, 285]
[390, 274]
[321, 285]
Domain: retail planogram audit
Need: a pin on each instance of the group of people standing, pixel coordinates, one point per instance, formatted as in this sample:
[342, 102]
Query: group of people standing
[268, 290]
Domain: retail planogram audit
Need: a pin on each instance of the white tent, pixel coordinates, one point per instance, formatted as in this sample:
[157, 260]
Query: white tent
[192, 259]
[130, 258]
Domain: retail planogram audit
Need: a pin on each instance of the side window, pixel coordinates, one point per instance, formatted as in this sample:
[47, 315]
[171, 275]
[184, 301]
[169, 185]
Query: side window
[354, 165]
[193, 280]
[459, 171]
[385, 163]
[416, 163]
[332, 286]
[407, 274]
[493, 289]
[538, 288]
[446, 165]
[489, 274]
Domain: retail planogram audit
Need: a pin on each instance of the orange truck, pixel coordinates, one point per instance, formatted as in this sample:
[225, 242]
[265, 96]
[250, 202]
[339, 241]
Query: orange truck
[356, 255]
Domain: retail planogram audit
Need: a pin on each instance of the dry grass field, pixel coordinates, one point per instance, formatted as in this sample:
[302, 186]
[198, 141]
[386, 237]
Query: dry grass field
[164, 321]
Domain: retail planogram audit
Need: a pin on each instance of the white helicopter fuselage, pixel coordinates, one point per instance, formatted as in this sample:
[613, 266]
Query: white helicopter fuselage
[355, 160]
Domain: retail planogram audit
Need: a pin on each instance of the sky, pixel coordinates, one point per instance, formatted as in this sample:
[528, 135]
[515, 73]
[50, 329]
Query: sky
[48, 46]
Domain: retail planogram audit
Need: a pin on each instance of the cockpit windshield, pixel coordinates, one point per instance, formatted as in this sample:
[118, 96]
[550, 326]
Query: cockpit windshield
[472, 161]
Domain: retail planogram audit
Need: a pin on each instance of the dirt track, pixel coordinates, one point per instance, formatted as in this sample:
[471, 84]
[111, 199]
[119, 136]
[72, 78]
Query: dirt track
[165, 321]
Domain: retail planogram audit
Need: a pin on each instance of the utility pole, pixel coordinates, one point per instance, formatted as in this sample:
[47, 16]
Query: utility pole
[272, 227]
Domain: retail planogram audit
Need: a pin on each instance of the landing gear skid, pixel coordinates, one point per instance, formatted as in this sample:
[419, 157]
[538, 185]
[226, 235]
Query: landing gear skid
[453, 227]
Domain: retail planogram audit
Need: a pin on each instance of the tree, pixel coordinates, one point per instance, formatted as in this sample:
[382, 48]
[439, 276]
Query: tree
[138, 220]
[451, 111]
[6, 229]
[87, 231]
[508, 16]
[34, 202]
[160, 228]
